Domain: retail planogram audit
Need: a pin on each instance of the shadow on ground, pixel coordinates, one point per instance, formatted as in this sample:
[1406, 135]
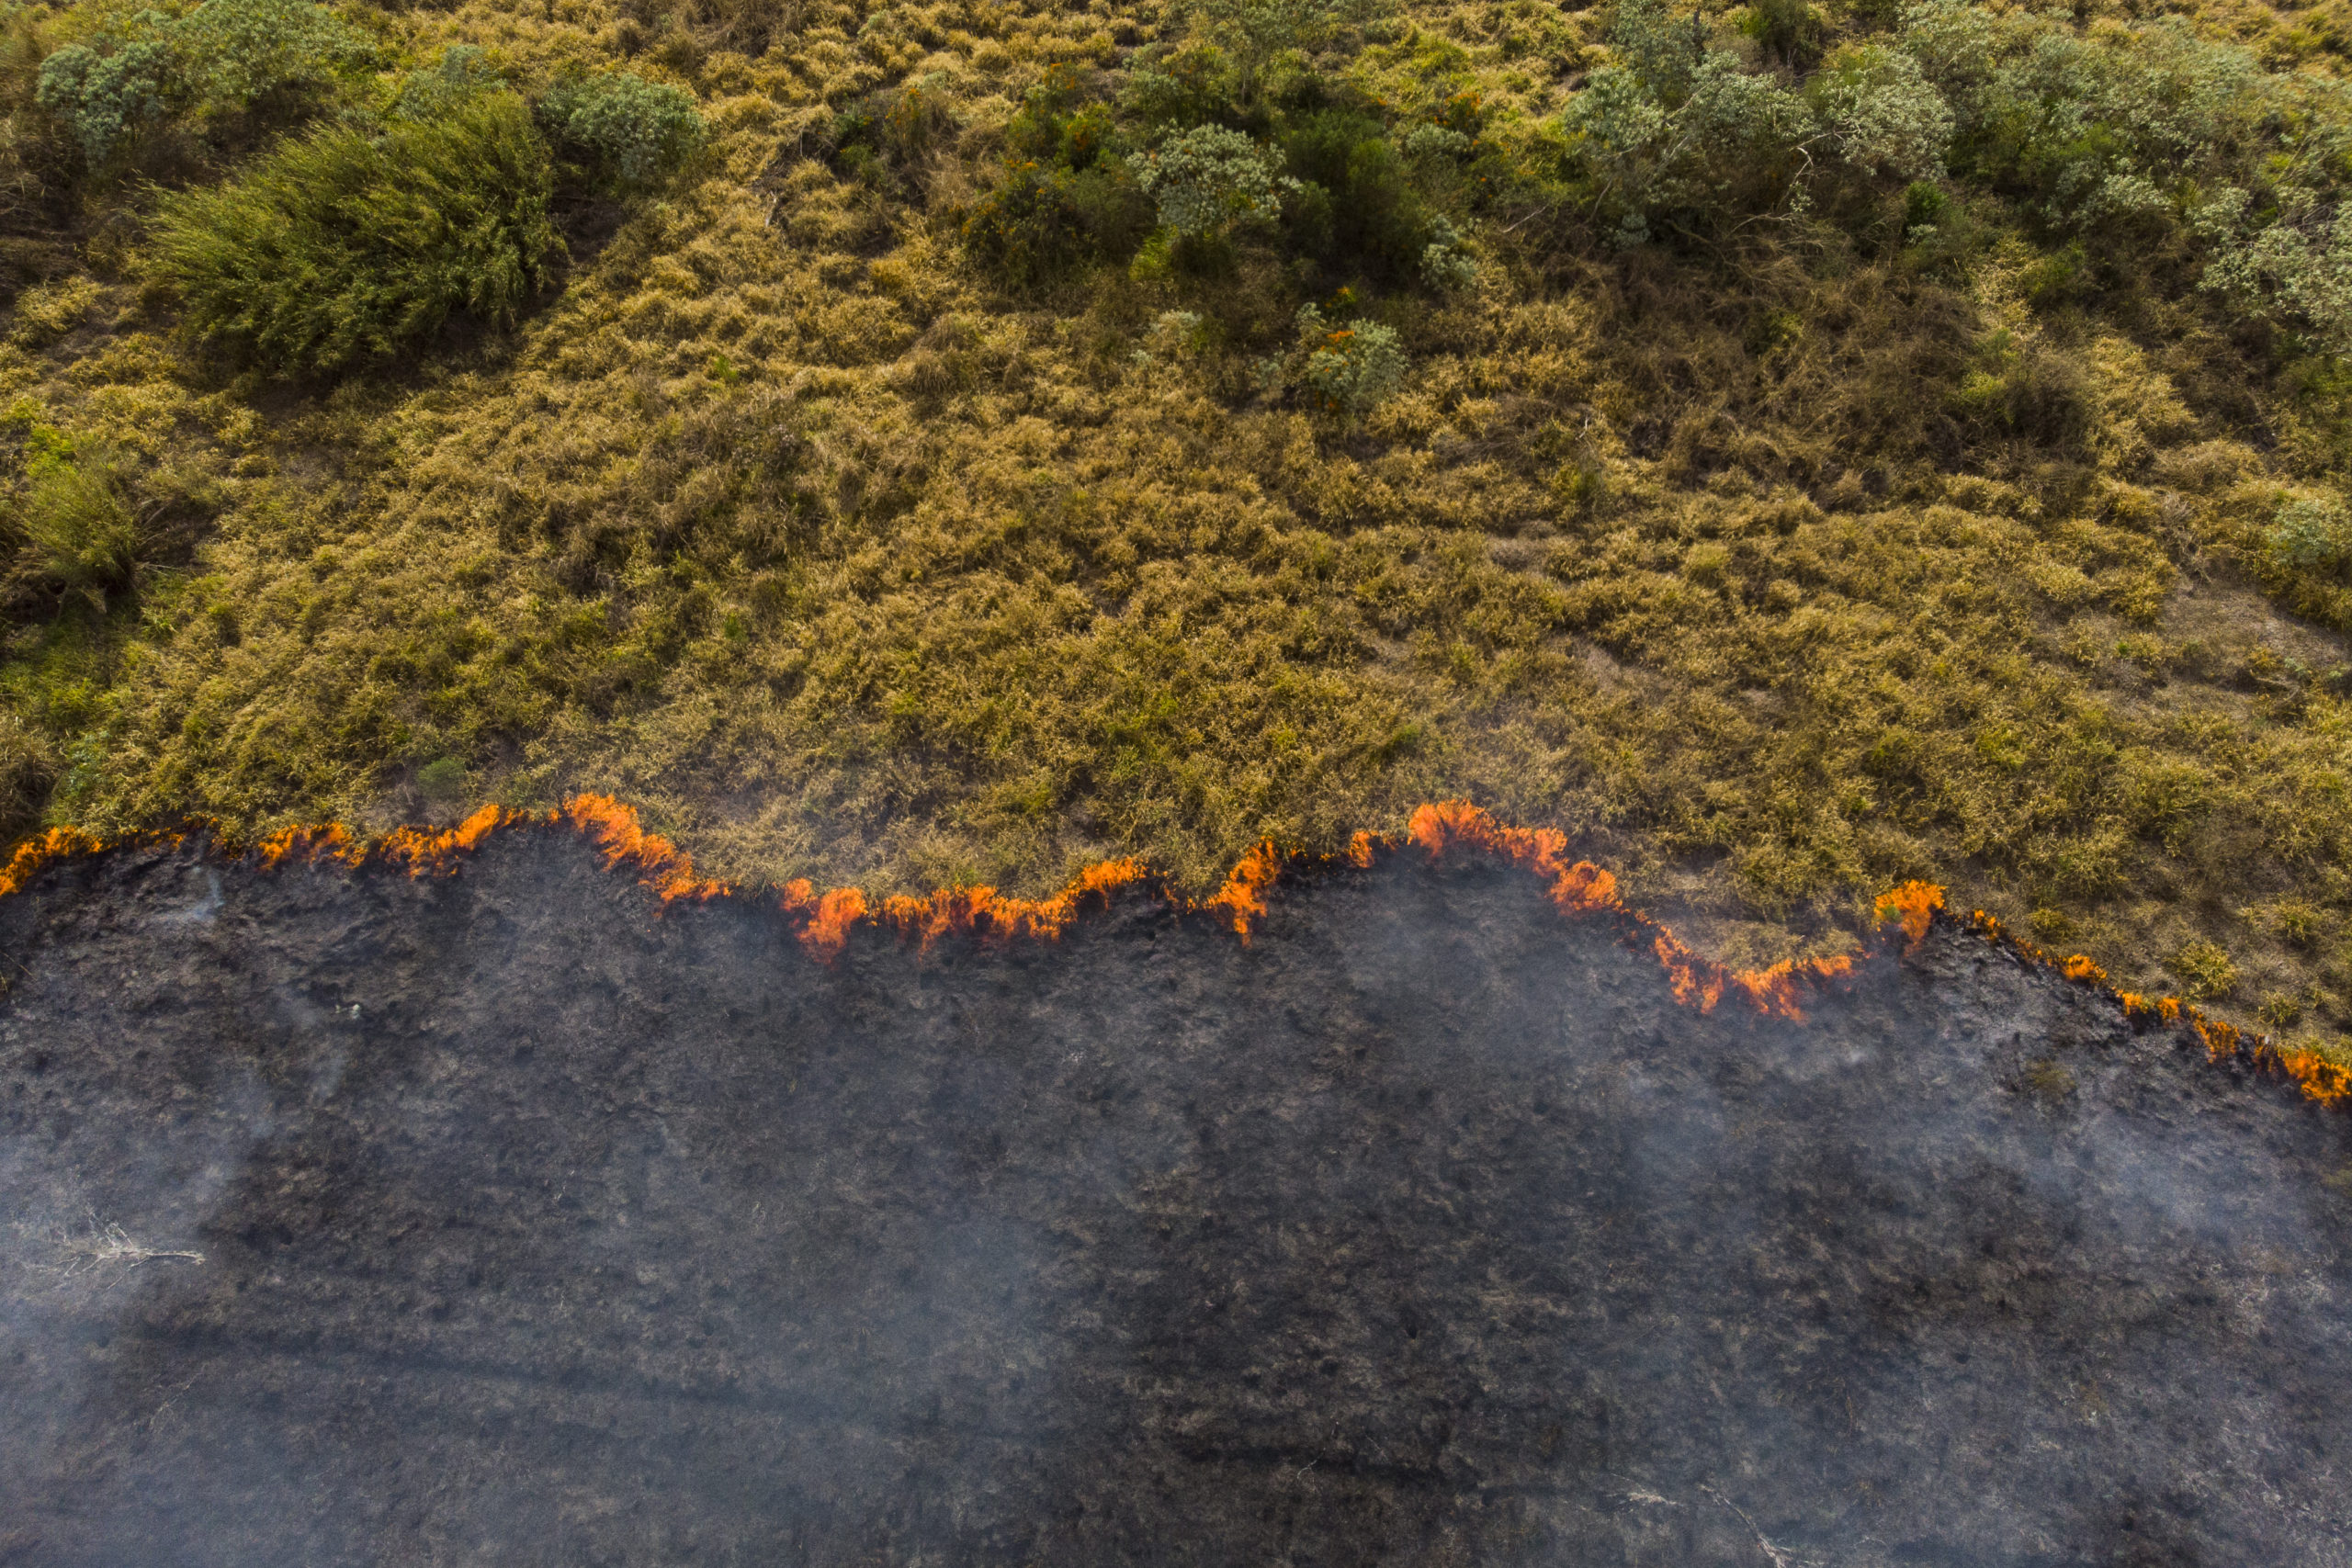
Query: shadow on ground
[497, 1218]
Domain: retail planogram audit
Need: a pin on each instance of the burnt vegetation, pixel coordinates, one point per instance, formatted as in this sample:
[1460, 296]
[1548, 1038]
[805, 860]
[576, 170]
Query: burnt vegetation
[1792, 448]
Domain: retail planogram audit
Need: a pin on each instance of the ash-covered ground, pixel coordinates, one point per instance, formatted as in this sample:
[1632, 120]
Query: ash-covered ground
[498, 1218]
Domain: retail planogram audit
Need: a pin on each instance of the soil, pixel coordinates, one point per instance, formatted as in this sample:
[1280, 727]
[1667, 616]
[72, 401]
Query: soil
[505, 1217]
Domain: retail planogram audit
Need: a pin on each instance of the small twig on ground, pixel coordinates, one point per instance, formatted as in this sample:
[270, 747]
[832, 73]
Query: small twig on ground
[111, 1245]
[1780, 1558]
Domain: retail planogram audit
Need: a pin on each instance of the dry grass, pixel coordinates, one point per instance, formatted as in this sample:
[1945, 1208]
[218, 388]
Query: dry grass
[785, 522]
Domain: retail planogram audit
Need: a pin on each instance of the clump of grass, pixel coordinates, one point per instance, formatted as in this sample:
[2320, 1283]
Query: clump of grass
[26, 768]
[442, 780]
[2206, 971]
[2050, 1083]
[345, 246]
[48, 311]
[81, 529]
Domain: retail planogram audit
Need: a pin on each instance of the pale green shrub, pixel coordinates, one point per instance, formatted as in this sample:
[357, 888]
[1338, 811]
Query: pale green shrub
[1723, 140]
[1254, 31]
[1446, 262]
[1883, 114]
[2311, 536]
[2296, 267]
[1210, 180]
[108, 94]
[225, 56]
[629, 133]
[1349, 369]
[245, 52]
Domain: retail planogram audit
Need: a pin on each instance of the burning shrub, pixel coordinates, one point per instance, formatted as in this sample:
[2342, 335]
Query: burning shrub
[342, 248]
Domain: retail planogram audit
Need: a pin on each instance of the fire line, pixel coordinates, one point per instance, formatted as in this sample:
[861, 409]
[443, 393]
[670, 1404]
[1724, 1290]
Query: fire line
[1578, 889]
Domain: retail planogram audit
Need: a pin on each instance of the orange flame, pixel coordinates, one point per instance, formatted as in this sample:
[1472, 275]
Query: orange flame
[1913, 906]
[979, 911]
[58, 844]
[1243, 896]
[1580, 888]
[422, 850]
[309, 844]
[2328, 1082]
[828, 930]
[661, 865]
[1584, 888]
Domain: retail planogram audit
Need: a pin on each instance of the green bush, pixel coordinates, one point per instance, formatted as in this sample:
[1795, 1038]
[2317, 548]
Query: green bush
[1255, 32]
[1054, 126]
[1682, 134]
[442, 780]
[249, 54]
[224, 57]
[1883, 114]
[2311, 538]
[1789, 30]
[2305, 557]
[106, 95]
[631, 134]
[1044, 218]
[1348, 368]
[1377, 219]
[342, 247]
[1210, 181]
[1191, 87]
[1066, 195]
[462, 72]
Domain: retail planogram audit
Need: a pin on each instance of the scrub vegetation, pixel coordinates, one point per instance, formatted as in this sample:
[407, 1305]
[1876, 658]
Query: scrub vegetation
[1792, 447]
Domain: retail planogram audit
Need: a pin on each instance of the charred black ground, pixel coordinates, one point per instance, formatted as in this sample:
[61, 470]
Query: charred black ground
[536, 1227]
